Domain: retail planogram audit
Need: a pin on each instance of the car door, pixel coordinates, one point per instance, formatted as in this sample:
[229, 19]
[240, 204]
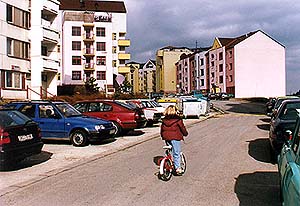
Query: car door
[52, 124]
[288, 169]
[102, 110]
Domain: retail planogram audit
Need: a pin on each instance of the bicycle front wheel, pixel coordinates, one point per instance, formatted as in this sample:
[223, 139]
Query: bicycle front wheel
[165, 169]
[182, 162]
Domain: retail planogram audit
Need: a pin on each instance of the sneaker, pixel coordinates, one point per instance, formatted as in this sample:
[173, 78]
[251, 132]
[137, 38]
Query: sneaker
[179, 171]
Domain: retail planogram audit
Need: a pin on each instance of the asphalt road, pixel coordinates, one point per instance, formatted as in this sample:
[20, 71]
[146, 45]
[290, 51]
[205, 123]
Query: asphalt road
[228, 164]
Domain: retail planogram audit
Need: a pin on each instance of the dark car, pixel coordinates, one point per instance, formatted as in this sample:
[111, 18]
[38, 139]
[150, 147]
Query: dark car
[278, 102]
[270, 106]
[289, 168]
[61, 121]
[124, 117]
[20, 137]
[285, 119]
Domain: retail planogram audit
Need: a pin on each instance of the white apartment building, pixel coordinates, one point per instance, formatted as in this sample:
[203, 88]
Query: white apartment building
[14, 49]
[28, 52]
[93, 43]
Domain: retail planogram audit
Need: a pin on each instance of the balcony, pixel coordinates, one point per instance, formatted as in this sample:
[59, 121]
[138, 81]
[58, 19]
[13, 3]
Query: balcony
[51, 6]
[50, 65]
[124, 42]
[88, 37]
[50, 35]
[89, 66]
[123, 69]
[123, 56]
[88, 51]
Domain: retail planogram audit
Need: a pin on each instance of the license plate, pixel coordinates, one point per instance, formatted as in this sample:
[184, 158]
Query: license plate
[23, 138]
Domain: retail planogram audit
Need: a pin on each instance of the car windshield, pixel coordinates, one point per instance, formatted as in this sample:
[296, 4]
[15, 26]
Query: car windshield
[67, 110]
[124, 105]
[155, 104]
[12, 117]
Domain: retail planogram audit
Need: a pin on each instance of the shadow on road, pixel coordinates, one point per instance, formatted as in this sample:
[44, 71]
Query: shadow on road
[265, 119]
[258, 188]
[264, 126]
[31, 161]
[259, 149]
[247, 108]
[157, 160]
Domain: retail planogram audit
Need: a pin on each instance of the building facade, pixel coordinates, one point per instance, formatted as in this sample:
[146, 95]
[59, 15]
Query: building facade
[93, 43]
[29, 52]
[166, 59]
[147, 76]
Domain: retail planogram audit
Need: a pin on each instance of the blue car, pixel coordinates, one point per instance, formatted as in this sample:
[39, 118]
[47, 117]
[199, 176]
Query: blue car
[61, 121]
[289, 168]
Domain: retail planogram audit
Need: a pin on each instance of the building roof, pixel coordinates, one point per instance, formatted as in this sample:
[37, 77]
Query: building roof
[93, 5]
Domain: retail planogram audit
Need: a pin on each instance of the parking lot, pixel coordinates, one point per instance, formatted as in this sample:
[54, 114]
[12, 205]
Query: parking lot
[57, 157]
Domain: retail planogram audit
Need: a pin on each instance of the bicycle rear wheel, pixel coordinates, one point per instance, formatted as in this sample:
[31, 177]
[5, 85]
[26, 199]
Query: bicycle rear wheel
[182, 162]
[165, 169]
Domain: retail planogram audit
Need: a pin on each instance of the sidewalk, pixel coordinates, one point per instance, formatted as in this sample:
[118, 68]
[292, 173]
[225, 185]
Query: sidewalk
[57, 158]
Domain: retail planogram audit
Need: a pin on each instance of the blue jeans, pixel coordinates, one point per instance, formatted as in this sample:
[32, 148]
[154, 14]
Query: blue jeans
[176, 149]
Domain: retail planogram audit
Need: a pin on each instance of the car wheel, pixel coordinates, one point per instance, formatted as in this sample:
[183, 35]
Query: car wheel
[78, 138]
[118, 129]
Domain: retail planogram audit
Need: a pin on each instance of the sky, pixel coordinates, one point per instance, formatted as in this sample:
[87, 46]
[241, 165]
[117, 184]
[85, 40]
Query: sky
[153, 24]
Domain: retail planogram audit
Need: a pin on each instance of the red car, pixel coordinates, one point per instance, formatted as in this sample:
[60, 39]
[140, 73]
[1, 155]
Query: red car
[124, 117]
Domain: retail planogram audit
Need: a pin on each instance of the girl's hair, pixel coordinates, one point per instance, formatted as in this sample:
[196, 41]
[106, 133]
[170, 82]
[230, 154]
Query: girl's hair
[171, 111]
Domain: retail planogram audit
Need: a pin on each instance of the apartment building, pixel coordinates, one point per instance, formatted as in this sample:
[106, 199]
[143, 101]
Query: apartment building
[147, 76]
[29, 58]
[93, 43]
[15, 49]
[133, 76]
[166, 59]
[191, 72]
[251, 65]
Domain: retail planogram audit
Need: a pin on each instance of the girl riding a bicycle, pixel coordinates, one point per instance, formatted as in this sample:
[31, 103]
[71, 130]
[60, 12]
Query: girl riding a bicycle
[172, 131]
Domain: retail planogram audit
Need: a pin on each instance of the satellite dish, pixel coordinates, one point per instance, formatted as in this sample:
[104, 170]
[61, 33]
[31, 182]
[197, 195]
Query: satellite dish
[120, 79]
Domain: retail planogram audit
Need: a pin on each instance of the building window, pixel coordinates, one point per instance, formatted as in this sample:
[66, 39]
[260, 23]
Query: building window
[76, 60]
[18, 49]
[58, 76]
[13, 80]
[201, 72]
[100, 31]
[221, 56]
[76, 75]
[220, 67]
[17, 16]
[230, 54]
[76, 31]
[101, 75]
[76, 45]
[44, 51]
[230, 66]
[101, 60]
[201, 62]
[221, 80]
[122, 61]
[230, 78]
[202, 82]
[9, 79]
[114, 49]
[122, 34]
[101, 46]
[212, 64]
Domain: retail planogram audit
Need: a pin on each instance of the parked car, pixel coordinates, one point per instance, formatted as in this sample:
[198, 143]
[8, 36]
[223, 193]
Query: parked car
[289, 168]
[124, 117]
[285, 119]
[152, 114]
[278, 102]
[20, 137]
[61, 121]
[270, 106]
